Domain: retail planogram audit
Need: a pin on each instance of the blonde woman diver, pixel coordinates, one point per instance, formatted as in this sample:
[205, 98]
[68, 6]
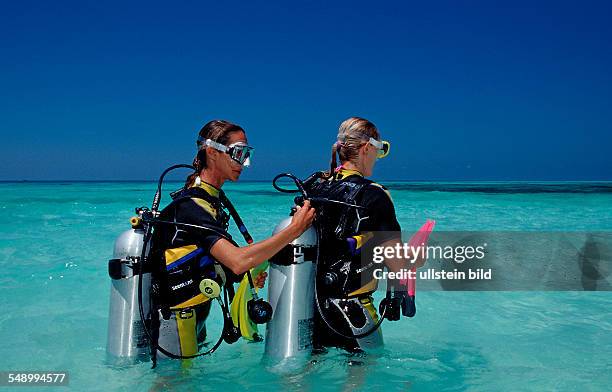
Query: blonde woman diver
[346, 316]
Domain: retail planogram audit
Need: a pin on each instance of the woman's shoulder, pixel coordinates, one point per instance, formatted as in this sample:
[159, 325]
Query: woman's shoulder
[381, 210]
[193, 205]
[376, 192]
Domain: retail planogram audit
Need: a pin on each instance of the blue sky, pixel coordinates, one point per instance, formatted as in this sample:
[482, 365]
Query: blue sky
[463, 90]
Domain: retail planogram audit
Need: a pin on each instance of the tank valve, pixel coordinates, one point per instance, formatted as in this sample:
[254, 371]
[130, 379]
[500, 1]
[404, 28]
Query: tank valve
[136, 222]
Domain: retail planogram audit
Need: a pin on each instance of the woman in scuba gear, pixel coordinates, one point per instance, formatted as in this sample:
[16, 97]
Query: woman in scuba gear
[199, 247]
[346, 316]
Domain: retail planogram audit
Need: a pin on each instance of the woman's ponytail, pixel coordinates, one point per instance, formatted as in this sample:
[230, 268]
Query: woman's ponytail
[197, 163]
[334, 161]
[350, 138]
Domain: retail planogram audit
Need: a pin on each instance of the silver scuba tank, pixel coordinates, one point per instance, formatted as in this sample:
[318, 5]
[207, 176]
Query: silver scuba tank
[291, 294]
[127, 340]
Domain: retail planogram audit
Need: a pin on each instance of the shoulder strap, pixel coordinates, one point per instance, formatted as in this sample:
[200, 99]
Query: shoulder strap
[351, 197]
[199, 193]
[220, 202]
[237, 220]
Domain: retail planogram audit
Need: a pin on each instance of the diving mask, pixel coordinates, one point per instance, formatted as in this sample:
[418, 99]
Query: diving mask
[239, 151]
[383, 147]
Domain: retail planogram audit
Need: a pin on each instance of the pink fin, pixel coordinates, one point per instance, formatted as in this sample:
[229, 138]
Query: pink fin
[418, 239]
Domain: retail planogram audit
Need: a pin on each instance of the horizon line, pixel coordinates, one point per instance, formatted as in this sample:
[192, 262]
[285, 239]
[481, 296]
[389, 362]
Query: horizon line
[270, 181]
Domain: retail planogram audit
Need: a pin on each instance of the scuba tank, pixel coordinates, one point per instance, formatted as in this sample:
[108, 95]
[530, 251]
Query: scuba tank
[127, 341]
[291, 293]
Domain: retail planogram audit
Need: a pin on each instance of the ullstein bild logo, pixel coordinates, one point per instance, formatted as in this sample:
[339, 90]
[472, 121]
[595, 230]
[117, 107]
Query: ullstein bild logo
[432, 274]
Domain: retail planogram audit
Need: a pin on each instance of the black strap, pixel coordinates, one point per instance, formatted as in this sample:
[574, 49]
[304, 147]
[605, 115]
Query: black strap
[237, 220]
[351, 198]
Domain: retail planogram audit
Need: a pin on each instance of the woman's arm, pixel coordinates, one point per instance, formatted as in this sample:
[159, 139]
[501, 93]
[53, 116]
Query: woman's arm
[242, 259]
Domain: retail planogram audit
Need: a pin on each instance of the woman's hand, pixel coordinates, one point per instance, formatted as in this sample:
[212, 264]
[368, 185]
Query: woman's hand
[240, 260]
[260, 279]
[303, 217]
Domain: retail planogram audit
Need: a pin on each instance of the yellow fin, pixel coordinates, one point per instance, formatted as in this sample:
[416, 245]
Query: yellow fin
[239, 311]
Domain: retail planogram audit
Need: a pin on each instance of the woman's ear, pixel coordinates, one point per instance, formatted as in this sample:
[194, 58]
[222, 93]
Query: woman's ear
[211, 153]
[364, 149]
[211, 156]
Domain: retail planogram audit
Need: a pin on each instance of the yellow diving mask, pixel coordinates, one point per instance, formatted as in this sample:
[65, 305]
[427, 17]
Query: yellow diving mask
[383, 147]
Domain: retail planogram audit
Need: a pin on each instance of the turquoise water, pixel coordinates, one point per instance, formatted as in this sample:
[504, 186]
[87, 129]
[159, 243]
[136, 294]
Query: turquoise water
[56, 239]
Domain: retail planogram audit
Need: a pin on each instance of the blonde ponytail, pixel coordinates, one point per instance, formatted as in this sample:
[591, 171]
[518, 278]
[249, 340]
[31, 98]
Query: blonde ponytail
[351, 135]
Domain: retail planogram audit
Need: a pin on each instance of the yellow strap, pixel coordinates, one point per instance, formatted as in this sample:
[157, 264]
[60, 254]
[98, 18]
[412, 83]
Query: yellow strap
[369, 287]
[363, 238]
[186, 326]
[369, 306]
[198, 299]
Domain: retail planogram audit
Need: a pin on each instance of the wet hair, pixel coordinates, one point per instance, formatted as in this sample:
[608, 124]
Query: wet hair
[351, 135]
[215, 130]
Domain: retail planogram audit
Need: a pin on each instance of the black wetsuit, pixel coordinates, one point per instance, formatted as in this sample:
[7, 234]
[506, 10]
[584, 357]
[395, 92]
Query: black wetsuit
[343, 275]
[182, 254]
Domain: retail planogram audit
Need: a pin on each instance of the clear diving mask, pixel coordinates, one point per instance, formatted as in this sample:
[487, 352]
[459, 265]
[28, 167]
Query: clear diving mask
[239, 151]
